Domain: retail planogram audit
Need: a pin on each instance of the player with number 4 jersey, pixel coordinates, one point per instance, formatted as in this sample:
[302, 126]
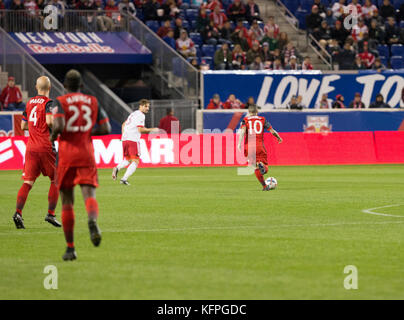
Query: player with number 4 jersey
[252, 132]
[40, 155]
[77, 117]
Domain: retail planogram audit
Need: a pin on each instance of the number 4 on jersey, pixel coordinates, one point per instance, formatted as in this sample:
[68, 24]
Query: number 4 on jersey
[33, 117]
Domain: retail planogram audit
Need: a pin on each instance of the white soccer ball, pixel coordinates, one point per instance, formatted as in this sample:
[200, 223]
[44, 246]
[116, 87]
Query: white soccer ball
[271, 182]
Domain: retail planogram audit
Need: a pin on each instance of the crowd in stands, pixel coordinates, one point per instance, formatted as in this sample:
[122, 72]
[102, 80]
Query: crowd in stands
[366, 42]
[11, 97]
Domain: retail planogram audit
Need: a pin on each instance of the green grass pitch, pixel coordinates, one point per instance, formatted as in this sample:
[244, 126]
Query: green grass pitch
[207, 233]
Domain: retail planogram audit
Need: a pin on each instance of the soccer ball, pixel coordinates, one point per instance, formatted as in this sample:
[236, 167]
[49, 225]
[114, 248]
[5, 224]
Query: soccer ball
[271, 182]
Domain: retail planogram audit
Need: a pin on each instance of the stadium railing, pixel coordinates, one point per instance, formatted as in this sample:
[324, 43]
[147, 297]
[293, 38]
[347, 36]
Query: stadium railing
[184, 109]
[18, 63]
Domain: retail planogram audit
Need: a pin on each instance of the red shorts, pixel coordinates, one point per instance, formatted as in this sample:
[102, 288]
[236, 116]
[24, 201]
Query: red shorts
[68, 177]
[37, 163]
[260, 156]
[131, 150]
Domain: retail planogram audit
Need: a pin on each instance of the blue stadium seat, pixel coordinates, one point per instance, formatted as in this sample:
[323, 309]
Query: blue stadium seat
[191, 14]
[184, 6]
[196, 38]
[301, 17]
[185, 24]
[383, 50]
[397, 50]
[218, 46]
[195, 6]
[198, 50]
[178, 69]
[246, 24]
[384, 60]
[397, 62]
[306, 5]
[208, 50]
[292, 5]
[397, 4]
[192, 58]
[193, 25]
[209, 61]
[261, 24]
[153, 24]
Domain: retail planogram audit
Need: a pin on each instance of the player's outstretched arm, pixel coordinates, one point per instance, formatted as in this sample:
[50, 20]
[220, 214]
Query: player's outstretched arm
[24, 125]
[275, 134]
[240, 138]
[148, 130]
[49, 120]
[102, 129]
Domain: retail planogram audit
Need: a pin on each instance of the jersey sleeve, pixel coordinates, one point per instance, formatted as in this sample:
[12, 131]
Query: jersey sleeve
[267, 125]
[140, 121]
[102, 116]
[49, 107]
[57, 110]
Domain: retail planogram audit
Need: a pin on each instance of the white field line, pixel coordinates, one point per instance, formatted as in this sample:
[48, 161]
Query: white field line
[217, 228]
[370, 211]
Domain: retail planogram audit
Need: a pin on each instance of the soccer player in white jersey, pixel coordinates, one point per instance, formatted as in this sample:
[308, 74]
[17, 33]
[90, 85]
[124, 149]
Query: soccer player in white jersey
[132, 128]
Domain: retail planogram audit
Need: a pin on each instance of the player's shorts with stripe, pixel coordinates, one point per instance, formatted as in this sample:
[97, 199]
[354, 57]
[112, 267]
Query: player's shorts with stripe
[68, 177]
[131, 150]
[37, 163]
[261, 155]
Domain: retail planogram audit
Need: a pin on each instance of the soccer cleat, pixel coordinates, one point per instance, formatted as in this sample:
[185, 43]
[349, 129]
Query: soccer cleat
[115, 173]
[125, 182]
[70, 254]
[261, 167]
[52, 220]
[95, 232]
[266, 188]
[18, 220]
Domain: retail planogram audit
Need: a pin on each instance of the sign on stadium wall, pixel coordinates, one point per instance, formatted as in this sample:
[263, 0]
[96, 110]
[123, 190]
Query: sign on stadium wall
[220, 149]
[83, 47]
[272, 89]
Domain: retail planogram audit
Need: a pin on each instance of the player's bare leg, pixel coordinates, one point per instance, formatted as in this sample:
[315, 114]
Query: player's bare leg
[21, 199]
[131, 170]
[67, 197]
[91, 203]
[123, 164]
[53, 196]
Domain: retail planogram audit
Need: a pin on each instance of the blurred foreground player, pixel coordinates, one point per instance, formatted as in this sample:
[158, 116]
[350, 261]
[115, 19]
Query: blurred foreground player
[75, 116]
[132, 128]
[252, 131]
[40, 155]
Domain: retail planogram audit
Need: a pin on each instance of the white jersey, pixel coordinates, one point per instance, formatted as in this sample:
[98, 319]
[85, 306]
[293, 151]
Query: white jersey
[132, 124]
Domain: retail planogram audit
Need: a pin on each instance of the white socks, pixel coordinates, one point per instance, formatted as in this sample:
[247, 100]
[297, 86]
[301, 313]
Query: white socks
[131, 170]
[123, 164]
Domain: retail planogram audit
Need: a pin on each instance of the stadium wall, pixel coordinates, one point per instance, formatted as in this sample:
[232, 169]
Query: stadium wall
[336, 148]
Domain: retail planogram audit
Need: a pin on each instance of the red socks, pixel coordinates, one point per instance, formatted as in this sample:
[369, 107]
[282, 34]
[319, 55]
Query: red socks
[68, 224]
[260, 177]
[92, 208]
[53, 196]
[22, 197]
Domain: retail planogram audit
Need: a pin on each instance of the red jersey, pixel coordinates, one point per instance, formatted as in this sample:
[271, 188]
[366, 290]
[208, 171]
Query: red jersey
[81, 113]
[255, 126]
[165, 123]
[35, 113]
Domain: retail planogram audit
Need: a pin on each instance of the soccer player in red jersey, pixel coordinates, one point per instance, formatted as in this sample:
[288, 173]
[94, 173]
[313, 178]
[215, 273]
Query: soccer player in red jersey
[252, 131]
[75, 116]
[40, 155]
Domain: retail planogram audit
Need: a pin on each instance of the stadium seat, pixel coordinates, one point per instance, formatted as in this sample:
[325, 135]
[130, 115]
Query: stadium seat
[292, 5]
[195, 6]
[184, 6]
[196, 38]
[402, 24]
[261, 24]
[246, 24]
[193, 25]
[301, 17]
[397, 62]
[198, 50]
[218, 46]
[198, 59]
[209, 61]
[384, 60]
[397, 50]
[191, 14]
[383, 50]
[178, 66]
[153, 24]
[185, 24]
[208, 50]
[306, 5]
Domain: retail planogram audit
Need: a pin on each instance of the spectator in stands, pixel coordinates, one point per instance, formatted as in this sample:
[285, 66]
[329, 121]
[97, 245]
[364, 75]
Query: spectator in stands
[218, 18]
[321, 8]
[295, 103]
[185, 45]
[357, 103]
[178, 28]
[313, 20]
[11, 97]
[387, 10]
[31, 7]
[213, 4]
[289, 51]
[339, 9]
[194, 62]
[392, 32]
[215, 102]
[163, 30]
[170, 9]
[333, 49]
[266, 55]
[339, 102]
[250, 102]
[203, 20]
[359, 31]
[339, 33]
[150, 10]
[306, 65]
[252, 11]
[39, 3]
[270, 39]
[271, 25]
[112, 12]
[233, 103]
[379, 103]
[169, 123]
[354, 8]
[236, 11]
[368, 10]
[253, 52]
[169, 39]
[211, 34]
[283, 40]
[324, 102]
[323, 35]
[238, 58]
[375, 35]
[238, 38]
[240, 26]
[292, 65]
[225, 33]
[367, 58]
[378, 65]
[204, 65]
[126, 7]
[255, 31]
[277, 64]
[223, 58]
[329, 17]
[346, 57]
[17, 5]
[358, 64]
[256, 64]
[104, 23]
